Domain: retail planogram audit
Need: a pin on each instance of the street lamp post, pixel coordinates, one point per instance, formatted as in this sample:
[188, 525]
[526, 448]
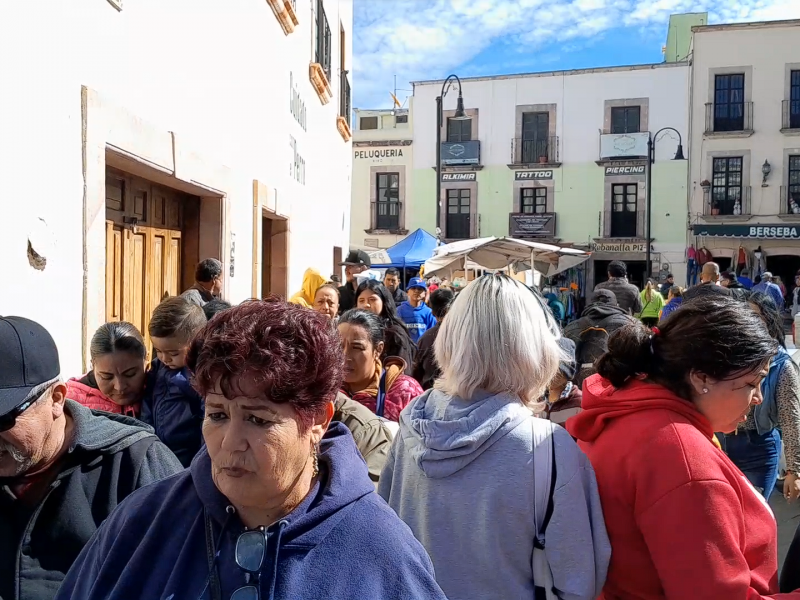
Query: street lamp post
[460, 115]
[651, 159]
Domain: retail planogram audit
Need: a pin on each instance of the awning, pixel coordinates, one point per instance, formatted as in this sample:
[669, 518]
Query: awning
[498, 253]
[412, 251]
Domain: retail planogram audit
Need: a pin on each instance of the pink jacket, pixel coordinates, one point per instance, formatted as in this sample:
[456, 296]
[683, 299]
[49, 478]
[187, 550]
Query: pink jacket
[97, 400]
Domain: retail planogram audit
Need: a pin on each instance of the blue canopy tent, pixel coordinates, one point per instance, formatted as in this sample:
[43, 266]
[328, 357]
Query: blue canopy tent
[412, 251]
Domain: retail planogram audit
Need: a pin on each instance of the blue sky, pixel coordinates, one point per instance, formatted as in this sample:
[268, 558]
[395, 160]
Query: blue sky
[429, 39]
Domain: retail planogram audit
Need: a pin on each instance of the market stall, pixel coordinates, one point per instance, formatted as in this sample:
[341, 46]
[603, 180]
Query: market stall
[494, 254]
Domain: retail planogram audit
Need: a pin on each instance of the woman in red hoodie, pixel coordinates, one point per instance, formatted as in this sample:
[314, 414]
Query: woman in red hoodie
[683, 521]
[119, 364]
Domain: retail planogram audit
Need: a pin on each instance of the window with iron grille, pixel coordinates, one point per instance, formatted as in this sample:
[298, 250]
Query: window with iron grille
[794, 184]
[794, 100]
[624, 203]
[726, 184]
[458, 214]
[387, 203]
[729, 102]
[459, 130]
[625, 119]
[323, 53]
[533, 200]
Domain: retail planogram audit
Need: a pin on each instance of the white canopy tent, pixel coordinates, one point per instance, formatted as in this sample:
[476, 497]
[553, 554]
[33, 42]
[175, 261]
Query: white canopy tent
[492, 254]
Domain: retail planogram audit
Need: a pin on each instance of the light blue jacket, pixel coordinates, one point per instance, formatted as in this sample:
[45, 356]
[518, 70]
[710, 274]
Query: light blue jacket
[460, 474]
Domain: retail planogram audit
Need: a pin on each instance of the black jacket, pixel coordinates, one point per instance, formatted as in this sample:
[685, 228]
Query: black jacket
[110, 456]
[704, 289]
[399, 297]
[347, 297]
[738, 291]
[591, 332]
[426, 370]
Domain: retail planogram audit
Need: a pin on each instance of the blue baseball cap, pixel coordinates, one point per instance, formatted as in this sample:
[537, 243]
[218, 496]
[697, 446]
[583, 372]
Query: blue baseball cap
[417, 282]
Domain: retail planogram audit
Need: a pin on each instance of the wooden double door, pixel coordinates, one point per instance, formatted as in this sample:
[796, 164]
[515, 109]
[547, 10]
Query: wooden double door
[144, 239]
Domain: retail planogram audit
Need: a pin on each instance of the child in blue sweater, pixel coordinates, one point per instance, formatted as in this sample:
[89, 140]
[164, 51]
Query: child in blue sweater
[170, 404]
[417, 316]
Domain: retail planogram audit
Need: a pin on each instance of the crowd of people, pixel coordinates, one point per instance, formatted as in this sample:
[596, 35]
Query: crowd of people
[444, 443]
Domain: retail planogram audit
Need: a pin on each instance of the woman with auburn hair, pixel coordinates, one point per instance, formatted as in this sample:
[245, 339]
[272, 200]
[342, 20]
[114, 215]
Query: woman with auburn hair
[272, 505]
[684, 522]
[461, 471]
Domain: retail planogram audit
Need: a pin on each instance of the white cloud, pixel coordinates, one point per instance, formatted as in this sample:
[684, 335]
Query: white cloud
[426, 39]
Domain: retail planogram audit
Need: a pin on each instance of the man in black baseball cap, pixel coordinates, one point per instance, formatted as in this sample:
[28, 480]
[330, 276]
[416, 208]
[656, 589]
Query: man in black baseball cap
[63, 467]
[357, 261]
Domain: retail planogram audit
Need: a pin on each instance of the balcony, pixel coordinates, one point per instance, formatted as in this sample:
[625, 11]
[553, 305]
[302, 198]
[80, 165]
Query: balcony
[790, 113]
[624, 146]
[286, 13]
[320, 70]
[536, 151]
[726, 120]
[729, 208]
[622, 225]
[461, 153]
[343, 120]
[790, 201]
[386, 217]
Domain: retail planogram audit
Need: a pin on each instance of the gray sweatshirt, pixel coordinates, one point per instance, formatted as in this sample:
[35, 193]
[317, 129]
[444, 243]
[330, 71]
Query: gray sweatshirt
[460, 474]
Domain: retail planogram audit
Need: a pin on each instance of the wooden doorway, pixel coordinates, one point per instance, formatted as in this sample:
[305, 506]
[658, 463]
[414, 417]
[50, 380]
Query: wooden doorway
[274, 255]
[144, 246]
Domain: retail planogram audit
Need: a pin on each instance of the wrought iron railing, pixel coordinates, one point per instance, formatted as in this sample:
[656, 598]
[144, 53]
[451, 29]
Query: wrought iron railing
[732, 204]
[790, 200]
[345, 98]
[790, 111]
[543, 150]
[729, 118]
[323, 53]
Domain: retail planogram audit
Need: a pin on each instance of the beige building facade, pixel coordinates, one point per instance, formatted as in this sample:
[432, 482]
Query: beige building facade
[382, 172]
[744, 189]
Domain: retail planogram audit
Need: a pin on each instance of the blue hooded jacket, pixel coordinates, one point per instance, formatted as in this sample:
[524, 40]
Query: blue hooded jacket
[342, 541]
[174, 409]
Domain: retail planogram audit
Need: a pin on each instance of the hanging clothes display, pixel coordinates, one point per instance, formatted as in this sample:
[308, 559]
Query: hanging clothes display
[691, 266]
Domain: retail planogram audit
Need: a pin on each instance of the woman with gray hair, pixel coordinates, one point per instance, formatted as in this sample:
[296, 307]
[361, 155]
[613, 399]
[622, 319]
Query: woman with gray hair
[465, 472]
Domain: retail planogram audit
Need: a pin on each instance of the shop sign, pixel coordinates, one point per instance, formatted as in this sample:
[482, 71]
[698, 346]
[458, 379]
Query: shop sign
[761, 232]
[526, 225]
[618, 247]
[391, 153]
[459, 176]
[530, 175]
[617, 171]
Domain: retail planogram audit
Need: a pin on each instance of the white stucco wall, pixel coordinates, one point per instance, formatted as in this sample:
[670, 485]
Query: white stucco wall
[217, 74]
[579, 97]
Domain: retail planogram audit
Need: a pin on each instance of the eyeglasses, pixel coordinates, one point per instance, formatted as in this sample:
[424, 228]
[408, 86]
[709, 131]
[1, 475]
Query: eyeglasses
[8, 420]
[251, 547]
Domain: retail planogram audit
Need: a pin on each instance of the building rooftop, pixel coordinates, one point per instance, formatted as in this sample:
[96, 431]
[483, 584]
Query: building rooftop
[754, 25]
[567, 72]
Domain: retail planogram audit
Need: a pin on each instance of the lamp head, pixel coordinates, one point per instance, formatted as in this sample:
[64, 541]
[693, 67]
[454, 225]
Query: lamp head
[679, 153]
[460, 113]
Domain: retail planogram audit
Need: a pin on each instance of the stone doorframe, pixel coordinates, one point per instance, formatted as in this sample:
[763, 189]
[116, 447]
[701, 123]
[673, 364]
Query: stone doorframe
[111, 136]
